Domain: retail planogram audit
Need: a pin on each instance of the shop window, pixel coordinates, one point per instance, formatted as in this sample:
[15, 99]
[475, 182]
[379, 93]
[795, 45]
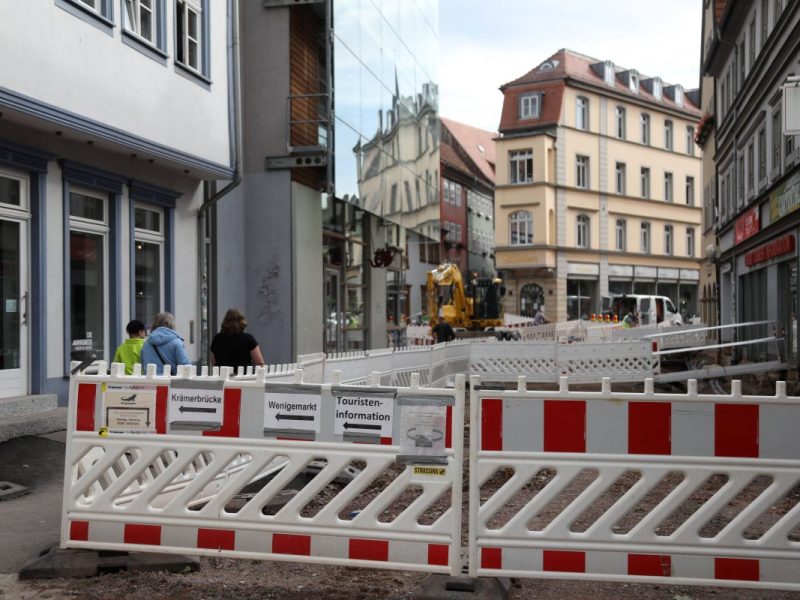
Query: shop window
[148, 263]
[88, 274]
[531, 299]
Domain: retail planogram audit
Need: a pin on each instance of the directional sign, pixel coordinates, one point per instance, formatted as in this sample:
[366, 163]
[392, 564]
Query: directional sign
[363, 414]
[129, 408]
[292, 411]
[195, 406]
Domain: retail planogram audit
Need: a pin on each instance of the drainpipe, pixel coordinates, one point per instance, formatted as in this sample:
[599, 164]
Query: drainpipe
[202, 217]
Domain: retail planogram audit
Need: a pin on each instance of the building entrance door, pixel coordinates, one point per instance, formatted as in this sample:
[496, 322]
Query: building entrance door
[13, 308]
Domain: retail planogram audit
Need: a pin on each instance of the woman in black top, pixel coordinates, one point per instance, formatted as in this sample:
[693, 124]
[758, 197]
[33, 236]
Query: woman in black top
[232, 347]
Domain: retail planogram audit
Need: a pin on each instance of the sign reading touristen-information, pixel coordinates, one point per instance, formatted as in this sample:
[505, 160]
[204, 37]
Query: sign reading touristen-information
[363, 414]
[292, 411]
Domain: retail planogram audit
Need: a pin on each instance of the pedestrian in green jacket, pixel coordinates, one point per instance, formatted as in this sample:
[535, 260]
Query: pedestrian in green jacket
[131, 349]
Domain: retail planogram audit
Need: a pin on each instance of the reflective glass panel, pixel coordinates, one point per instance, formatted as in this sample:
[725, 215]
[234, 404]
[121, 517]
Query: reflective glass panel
[86, 207]
[148, 280]
[9, 295]
[9, 191]
[87, 319]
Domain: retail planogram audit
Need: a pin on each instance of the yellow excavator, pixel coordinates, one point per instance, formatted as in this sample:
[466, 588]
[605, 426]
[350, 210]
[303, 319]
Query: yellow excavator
[476, 307]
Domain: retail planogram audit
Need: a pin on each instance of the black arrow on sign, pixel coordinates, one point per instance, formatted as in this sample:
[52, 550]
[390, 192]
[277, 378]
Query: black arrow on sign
[359, 426]
[197, 409]
[279, 416]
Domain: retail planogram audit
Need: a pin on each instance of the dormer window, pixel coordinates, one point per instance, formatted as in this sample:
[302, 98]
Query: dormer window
[633, 82]
[656, 88]
[678, 95]
[609, 73]
[530, 106]
[548, 65]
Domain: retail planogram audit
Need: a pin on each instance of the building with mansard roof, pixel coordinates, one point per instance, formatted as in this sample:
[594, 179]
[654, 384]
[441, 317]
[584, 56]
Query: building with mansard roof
[596, 188]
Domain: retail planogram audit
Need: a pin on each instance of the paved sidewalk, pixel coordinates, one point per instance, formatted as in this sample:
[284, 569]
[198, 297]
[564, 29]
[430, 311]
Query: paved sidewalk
[31, 524]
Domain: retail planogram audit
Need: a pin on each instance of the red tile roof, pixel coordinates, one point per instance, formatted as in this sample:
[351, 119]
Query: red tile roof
[450, 157]
[477, 143]
[569, 64]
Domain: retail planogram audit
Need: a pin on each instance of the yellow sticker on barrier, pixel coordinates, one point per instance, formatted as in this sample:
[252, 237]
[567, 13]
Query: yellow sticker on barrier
[437, 471]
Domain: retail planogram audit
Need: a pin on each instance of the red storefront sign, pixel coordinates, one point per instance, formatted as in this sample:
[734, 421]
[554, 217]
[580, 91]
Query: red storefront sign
[779, 247]
[747, 225]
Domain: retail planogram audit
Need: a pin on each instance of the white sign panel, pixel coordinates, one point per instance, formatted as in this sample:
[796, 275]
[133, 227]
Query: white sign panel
[363, 414]
[188, 405]
[292, 411]
[129, 408]
[423, 430]
[791, 108]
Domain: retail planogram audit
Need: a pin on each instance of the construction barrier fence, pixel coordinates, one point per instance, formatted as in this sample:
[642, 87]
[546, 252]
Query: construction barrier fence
[657, 488]
[690, 488]
[252, 468]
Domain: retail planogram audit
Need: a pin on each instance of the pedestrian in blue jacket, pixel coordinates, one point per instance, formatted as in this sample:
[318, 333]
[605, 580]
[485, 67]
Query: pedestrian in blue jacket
[163, 346]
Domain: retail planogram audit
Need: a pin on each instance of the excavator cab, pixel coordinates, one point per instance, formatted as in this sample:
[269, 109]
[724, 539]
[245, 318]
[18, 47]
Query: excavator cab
[487, 298]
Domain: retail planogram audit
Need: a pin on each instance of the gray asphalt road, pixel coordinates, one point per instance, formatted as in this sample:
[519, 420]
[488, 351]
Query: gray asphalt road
[30, 524]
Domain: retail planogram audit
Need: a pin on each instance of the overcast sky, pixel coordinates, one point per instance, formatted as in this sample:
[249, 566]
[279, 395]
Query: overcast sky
[486, 43]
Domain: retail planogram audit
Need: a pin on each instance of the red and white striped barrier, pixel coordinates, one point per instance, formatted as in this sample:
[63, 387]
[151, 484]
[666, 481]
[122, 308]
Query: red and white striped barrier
[659, 488]
[167, 464]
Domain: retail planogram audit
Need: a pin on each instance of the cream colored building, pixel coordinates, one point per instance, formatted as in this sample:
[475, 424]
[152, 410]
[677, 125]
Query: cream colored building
[598, 188]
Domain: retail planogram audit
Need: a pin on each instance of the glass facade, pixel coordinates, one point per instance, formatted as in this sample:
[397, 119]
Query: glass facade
[386, 106]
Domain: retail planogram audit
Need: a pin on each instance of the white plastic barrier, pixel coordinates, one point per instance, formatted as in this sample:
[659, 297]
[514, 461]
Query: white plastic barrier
[682, 336]
[585, 362]
[227, 433]
[436, 365]
[657, 488]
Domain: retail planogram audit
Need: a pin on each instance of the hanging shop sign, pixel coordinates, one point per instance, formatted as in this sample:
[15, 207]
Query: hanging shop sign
[747, 225]
[786, 198]
[777, 247]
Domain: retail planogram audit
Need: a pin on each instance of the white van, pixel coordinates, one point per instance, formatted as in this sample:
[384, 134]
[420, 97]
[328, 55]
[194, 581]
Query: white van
[652, 310]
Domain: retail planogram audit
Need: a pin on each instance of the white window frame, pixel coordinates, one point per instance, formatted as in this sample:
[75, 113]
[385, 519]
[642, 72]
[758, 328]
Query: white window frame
[519, 163]
[669, 191]
[668, 241]
[196, 7]
[644, 237]
[150, 236]
[690, 190]
[690, 140]
[23, 208]
[582, 113]
[620, 175]
[582, 231]
[620, 114]
[657, 89]
[132, 19]
[621, 235]
[520, 225]
[103, 229]
[644, 122]
[582, 171]
[668, 135]
[690, 241]
[529, 106]
[644, 180]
